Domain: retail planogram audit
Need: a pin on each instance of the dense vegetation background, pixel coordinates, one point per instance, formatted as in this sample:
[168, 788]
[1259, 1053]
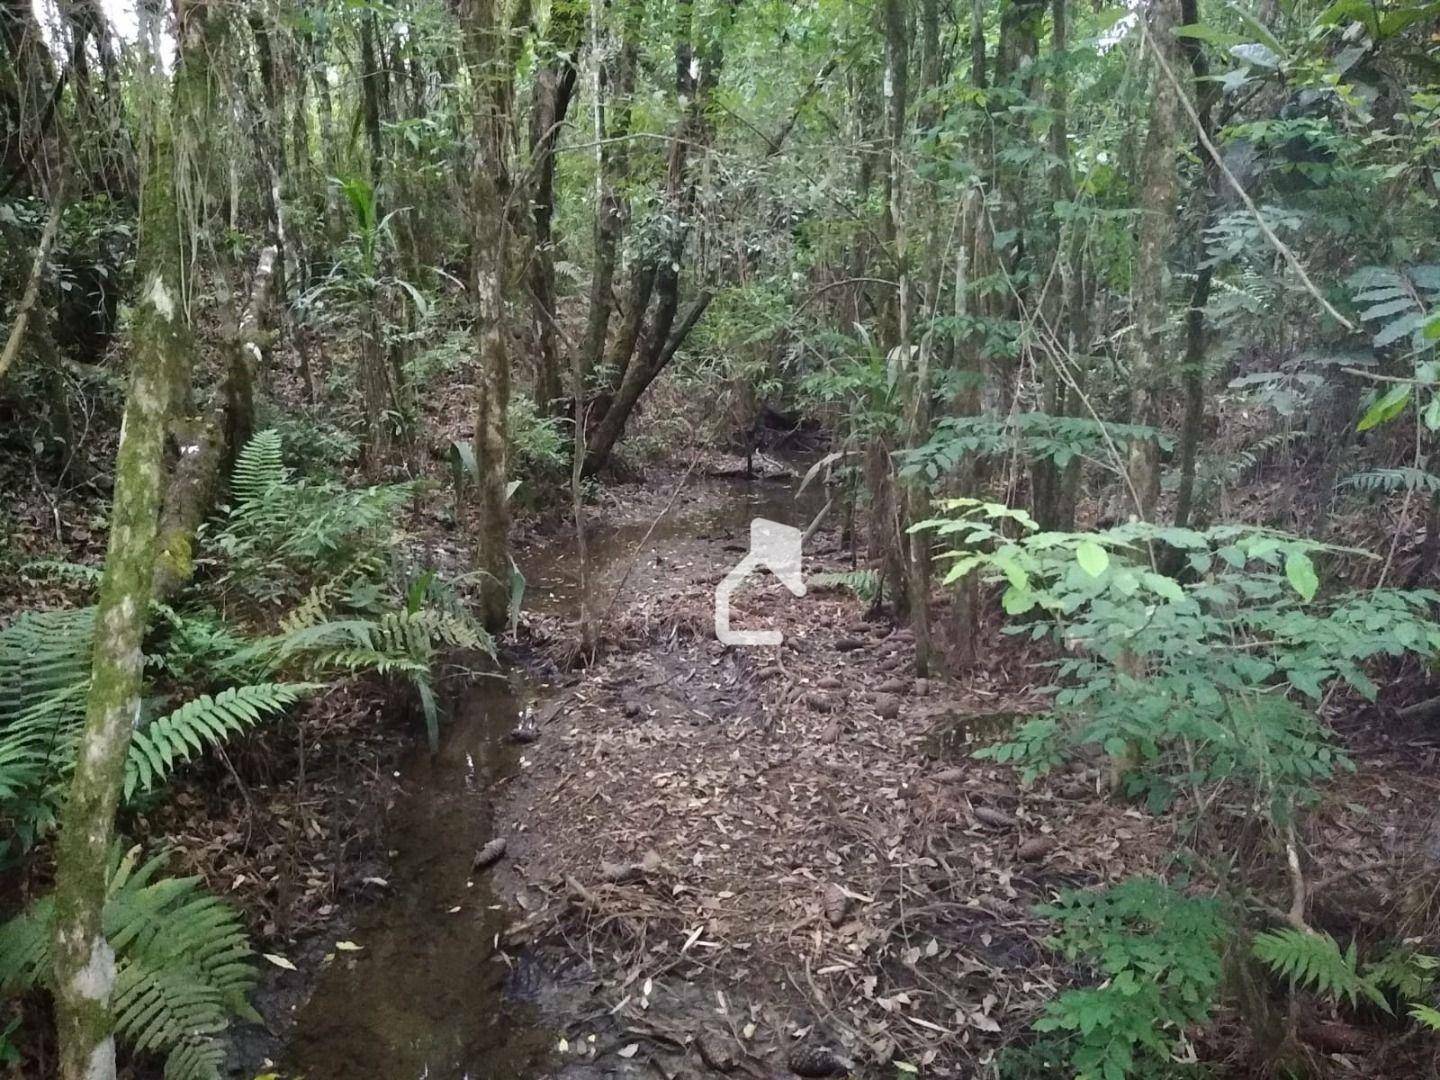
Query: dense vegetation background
[1119, 322]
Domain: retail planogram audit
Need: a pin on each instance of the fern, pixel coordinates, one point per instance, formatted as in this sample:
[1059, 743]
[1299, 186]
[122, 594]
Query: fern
[43, 654]
[1250, 458]
[259, 469]
[182, 964]
[1314, 961]
[398, 643]
[44, 679]
[155, 749]
[863, 583]
[1409, 973]
[1426, 1016]
[1397, 302]
[44, 675]
[1376, 481]
[281, 530]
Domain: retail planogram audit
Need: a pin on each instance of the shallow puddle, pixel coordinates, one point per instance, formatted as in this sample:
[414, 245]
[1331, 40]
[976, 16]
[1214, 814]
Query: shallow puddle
[424, 995]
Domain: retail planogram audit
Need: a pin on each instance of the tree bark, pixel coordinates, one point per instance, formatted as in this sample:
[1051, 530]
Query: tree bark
[1149, 289]
[554, 88]
[84, 967]
[638, 377]
[208, 444]
[485, 38]
[612, 97]
[374, 378]
[695, 76]
[1192, 372]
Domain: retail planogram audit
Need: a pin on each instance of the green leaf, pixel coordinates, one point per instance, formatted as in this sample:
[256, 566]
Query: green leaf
[1165, 587]
[1431, 415]
[1301, 573]
[1389, 307]
[1258, 28]
[1426, 1015]
[1200, 32]
[1093, 558]
[1388, 406]
[1017, 601]
[1394, 331]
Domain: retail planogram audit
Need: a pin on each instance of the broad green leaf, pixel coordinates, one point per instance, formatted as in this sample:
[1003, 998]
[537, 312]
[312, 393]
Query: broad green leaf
[1301, 573]
[1017, 601]
[1166, 587]
[1431, 415]
[1258, 28]
[1255, 53]
[1388, 405]
[1093, 558]
[1200, 32]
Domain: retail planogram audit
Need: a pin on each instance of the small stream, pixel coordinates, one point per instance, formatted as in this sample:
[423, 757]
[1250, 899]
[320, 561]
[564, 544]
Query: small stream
[426, 996]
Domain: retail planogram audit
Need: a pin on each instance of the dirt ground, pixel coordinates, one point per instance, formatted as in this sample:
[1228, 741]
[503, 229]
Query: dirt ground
[784, 860]
[769, 862]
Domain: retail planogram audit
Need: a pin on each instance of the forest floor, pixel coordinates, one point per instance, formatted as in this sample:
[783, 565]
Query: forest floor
[775, 861]
[766, 862]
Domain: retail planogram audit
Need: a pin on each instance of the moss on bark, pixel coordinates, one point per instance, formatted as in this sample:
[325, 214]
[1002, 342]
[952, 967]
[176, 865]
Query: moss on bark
[161, 346]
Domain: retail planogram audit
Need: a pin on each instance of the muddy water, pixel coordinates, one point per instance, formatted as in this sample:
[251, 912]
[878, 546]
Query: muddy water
[426, 994]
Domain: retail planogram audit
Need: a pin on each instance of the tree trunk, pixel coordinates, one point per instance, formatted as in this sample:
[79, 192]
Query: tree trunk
[695, 77]
[1157, 211]
[374, 378]
[208, 444]
[1192, 372]
[612, 96]
[638, 377]
[913, 362]
[554, 88]
[84, 968]
[485, 37]
[325, 108]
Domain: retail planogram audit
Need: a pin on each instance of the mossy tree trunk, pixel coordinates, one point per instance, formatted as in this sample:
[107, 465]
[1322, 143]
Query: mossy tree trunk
[911, 359]
[84, 969]
[1157, 212]
[490, 72]
[1192, 370]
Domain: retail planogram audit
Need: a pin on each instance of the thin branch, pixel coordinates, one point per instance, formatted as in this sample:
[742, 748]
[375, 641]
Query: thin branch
[37, 271]
[1279, 245]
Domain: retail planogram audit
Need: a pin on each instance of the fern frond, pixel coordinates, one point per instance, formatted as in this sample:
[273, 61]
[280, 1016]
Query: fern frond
[177, 736]
[1408, 478]
[196, 1058]
[62, 568]
[259, 469]
[44, 675]
[863, 583]
[1315, 961]
[1426, 1015]
[181, 963]
[41, 653]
